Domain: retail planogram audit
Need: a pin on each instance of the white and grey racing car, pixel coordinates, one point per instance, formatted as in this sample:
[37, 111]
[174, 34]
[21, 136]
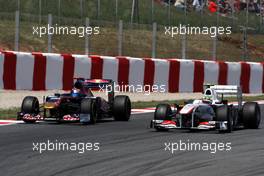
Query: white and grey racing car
[211, 112]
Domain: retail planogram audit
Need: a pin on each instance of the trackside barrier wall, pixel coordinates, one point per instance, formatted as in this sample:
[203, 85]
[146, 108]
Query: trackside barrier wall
[46, 71]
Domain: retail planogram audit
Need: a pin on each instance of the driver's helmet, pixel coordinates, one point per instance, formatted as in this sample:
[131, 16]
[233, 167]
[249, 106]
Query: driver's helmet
[75, 93]
[78, 85]
[208, 97]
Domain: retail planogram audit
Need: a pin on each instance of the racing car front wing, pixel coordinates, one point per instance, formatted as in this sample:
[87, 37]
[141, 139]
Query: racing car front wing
[170, 124]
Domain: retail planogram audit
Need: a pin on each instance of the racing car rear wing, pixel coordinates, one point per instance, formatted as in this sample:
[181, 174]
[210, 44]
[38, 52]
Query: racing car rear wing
[96, 84]
[226, 89]
[216, 90]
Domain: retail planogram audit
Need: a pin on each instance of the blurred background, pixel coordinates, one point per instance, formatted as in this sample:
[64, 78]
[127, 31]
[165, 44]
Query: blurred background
[136, 27]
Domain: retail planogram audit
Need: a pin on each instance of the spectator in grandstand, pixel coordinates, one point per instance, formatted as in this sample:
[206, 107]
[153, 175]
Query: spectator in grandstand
[262, 8]
[171, 2]
[196, 5]
[237, 5]
[251, 6]
[256, 6]
[212, 6]
[180, 4]
[243, 4]
[225, 7]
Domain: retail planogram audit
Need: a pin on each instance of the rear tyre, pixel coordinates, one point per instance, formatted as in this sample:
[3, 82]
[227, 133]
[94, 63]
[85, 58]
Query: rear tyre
[251, 115]
[88, 106]
[222, 114]
[121, 108]
[30, 105]
[163, 112]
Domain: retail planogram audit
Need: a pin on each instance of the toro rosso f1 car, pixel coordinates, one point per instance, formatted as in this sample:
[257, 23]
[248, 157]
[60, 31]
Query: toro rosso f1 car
[79, 105]
[211, 112]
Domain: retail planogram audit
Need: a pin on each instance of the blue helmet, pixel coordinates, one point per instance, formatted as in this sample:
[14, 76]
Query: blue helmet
[75, 93]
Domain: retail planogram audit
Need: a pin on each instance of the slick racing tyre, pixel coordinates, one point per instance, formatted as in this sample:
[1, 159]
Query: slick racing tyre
[163, 112]
[30, 105]
[222, 114]
[88, 106]
[121, 108]
[251, 115]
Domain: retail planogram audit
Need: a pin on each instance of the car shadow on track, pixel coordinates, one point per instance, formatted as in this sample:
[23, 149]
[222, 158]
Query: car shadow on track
[68, 123]
[186, 131]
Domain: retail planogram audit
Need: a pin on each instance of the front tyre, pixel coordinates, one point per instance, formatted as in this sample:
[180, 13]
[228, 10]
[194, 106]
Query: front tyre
[30, 105]
[88, 106]
[251, 115]
[222, 114]
[121, 108]
[163, 112]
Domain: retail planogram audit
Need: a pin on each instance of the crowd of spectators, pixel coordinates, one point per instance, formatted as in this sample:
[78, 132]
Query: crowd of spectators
[225, 7]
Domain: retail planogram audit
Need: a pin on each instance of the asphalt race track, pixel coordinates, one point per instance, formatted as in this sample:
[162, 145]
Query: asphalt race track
[127, 148]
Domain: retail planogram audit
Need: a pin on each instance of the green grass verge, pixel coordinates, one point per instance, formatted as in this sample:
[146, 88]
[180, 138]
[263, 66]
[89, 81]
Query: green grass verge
[136, 43]
[12, 112]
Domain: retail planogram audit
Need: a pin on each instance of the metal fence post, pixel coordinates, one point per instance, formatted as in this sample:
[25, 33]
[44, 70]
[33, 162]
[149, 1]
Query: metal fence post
[260, 19]
[18, 5]
[214, 48]
[98, 8]
[169, 13]
[154, 40]
[245, 49]
[49, 34]
[217, 14]
[201, 12]
[87, 38]
[185, 12]
[132, 12]
[120, 37]
[59, 10]
[260, 23]
[40, 11]
[152, 11]
[183, 48]
[81, 8]
[116, 9]
[233, 17]
[17, 20]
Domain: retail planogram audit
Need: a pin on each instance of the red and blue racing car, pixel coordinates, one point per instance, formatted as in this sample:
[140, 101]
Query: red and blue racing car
[79, 105]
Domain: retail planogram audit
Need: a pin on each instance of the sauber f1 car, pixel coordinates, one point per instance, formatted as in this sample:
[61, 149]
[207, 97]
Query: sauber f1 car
[211, 112]
[79, 105]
